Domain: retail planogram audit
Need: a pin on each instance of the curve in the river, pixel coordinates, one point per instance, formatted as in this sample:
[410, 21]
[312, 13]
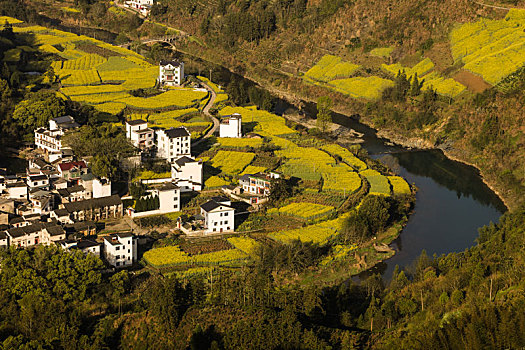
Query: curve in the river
[452, 201]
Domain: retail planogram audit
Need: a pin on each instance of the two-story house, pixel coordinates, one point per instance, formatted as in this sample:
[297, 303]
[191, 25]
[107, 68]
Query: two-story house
[72, 170]
[120, 249]
[95, 208]
[231, 126]
[171, 73]
[187, 172]
[218, 215]
[139, 134]
[173, 143]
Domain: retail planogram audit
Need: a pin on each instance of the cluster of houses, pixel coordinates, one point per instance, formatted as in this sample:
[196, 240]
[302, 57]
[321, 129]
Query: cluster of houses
[58, 201]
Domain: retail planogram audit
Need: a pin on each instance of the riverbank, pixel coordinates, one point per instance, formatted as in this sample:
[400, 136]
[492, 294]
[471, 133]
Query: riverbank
[396, 138]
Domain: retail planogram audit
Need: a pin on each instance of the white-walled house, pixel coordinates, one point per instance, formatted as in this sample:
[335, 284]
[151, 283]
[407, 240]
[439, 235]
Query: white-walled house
[171, 73]
[143, 6]
[101, 188]
[140, 135]
[38, 181]
[169, 198]
[231, 126]
[120, 249]
[173, 143]
[85, 245]
[218, 216]
[50, 140]
[188, 173]
[17, 190]
[95, 188]
[258, 184]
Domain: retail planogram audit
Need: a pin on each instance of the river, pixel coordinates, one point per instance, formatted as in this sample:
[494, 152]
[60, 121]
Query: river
[452, 201]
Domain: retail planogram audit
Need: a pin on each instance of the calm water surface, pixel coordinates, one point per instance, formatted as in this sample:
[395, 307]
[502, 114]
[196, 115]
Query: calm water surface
[452, 201]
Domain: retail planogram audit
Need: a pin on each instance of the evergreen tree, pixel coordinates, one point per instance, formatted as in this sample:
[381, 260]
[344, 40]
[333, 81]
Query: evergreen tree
[324, 114]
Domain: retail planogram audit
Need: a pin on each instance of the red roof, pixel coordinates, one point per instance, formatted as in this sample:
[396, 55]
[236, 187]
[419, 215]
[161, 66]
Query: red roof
[71, 165]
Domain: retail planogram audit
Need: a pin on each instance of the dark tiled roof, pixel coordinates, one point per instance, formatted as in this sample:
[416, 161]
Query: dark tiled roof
[85, 243]
[63, 119]
[220, 199]
[183, 160]
[93, 203]
[16, 220]
[172, 62]
[122, 235]
[136, 122]
[37, 177]
[40, 162]
[211, 205]
[61, 212]
[177, 132]
[168, 186]
[55, 230]
[87, 177]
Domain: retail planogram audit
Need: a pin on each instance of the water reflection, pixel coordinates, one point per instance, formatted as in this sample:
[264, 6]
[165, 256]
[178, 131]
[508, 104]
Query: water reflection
[452, 201]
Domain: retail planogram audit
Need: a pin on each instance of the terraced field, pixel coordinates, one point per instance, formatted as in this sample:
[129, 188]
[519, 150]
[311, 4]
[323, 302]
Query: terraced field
[335, 74]
[102, 75]
[492, 49]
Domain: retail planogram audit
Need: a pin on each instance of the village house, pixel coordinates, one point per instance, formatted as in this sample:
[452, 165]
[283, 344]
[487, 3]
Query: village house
[37, 233]
[140, 135]
[61, 215]
[81, 228]
[169, 200]
[187, 172]
[17, 190]
[120, 249]
[87, 246]
[49, 140]
[173, 143]
[142, 6]
[171, 73]
[95, 208]
[258, 184]
[42, 204]
[72, 170]
[231, 126]
[218, 215]
[38, 181]
[95, 188]
[72, 194]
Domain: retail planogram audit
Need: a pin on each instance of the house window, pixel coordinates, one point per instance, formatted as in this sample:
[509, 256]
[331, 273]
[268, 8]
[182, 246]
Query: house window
[215, 223]
[129, 250]
[117, 257]
[129, 258]
[175, 206]
[214, 229]
[117, 264]
[117, 248]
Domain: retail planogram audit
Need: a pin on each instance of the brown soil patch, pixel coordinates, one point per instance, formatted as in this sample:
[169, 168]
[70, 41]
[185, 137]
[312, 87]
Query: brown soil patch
[471, 81]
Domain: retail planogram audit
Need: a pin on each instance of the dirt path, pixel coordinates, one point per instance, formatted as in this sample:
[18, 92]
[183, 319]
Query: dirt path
[206, 110]
[492, 6]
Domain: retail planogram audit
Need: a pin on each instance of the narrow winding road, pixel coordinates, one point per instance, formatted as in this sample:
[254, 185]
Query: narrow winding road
[206, 111]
